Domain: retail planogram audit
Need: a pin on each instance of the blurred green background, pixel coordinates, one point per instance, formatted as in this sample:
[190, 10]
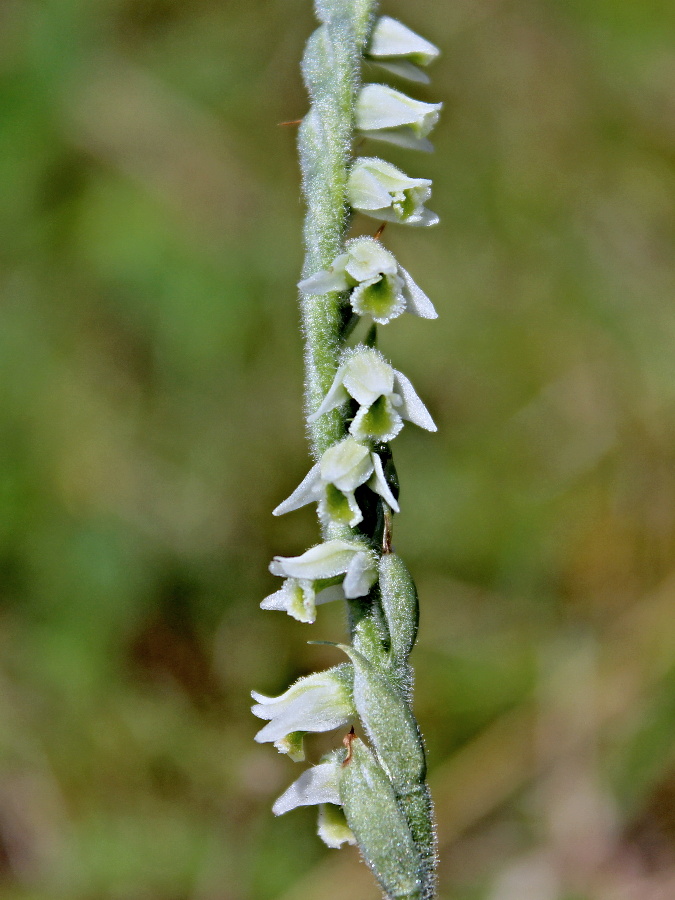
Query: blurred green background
[150, 419]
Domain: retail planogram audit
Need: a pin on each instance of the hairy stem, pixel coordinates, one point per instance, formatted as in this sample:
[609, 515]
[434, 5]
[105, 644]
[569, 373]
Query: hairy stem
[331, 71]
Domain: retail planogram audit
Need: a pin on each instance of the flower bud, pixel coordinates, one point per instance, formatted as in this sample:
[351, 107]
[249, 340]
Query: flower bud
[387, 115]
[394, 47]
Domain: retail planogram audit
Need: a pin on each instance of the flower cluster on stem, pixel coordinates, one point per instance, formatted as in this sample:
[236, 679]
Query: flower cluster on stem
[372, 791]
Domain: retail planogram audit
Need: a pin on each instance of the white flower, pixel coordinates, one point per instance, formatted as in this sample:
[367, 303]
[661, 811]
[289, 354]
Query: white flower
[318, 702]
[299, 598]
[320, 784]
[328, 560]
[382, 191]
[385, 397]
[332, 481]
[380, 287]
[399, 50]
[388, 115]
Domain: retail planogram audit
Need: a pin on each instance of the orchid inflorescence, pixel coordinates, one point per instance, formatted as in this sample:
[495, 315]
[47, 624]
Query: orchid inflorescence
[372, 794]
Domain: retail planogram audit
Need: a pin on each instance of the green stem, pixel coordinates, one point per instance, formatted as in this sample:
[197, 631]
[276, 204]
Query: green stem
[331, 69]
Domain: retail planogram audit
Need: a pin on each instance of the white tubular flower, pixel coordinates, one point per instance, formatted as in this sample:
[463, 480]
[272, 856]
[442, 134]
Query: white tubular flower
[399, 50]
[349, 558]
[380, 287]
[384, 114]
[332, 481]
[318, 702]
[320, 784]
[382, 191]
[385, 397]
[298, 597]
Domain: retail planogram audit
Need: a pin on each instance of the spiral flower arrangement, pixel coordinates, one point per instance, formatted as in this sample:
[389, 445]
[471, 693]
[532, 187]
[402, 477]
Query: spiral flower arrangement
[371, 790]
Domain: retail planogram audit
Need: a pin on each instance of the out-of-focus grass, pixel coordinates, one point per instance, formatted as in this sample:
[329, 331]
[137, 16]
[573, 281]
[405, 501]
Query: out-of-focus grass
[150, 418]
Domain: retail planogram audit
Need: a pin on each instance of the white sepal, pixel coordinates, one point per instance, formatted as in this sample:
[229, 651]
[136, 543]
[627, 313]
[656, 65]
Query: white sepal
[412, 407]
[331, 279]
[392, 39]
[320, 784]
[379, 484]
[402, 69]
[416, 300]
[379, 189]
[335, 397]
[366, 375]
[319, 702]
[306, 492]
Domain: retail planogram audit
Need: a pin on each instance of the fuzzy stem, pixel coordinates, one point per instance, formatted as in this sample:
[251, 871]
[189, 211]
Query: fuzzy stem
[331, 71]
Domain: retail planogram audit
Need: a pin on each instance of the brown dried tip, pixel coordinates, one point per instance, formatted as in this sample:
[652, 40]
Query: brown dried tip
[379, 231]
[347, 741]
[292, 122]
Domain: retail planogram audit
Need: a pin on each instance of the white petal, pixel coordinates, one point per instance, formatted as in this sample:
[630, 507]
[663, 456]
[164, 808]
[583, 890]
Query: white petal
[335, 397]
[379, 484]
[392, 38]
[403, 69]
[367, 258]
[412, 408]
[323, 561]
[307, 491]
[416, 300]
[346, 465]
[320, 784]
[361, 576]
[367, 376]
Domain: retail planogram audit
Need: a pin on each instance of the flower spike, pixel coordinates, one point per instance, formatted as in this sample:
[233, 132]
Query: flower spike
[356, 403]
